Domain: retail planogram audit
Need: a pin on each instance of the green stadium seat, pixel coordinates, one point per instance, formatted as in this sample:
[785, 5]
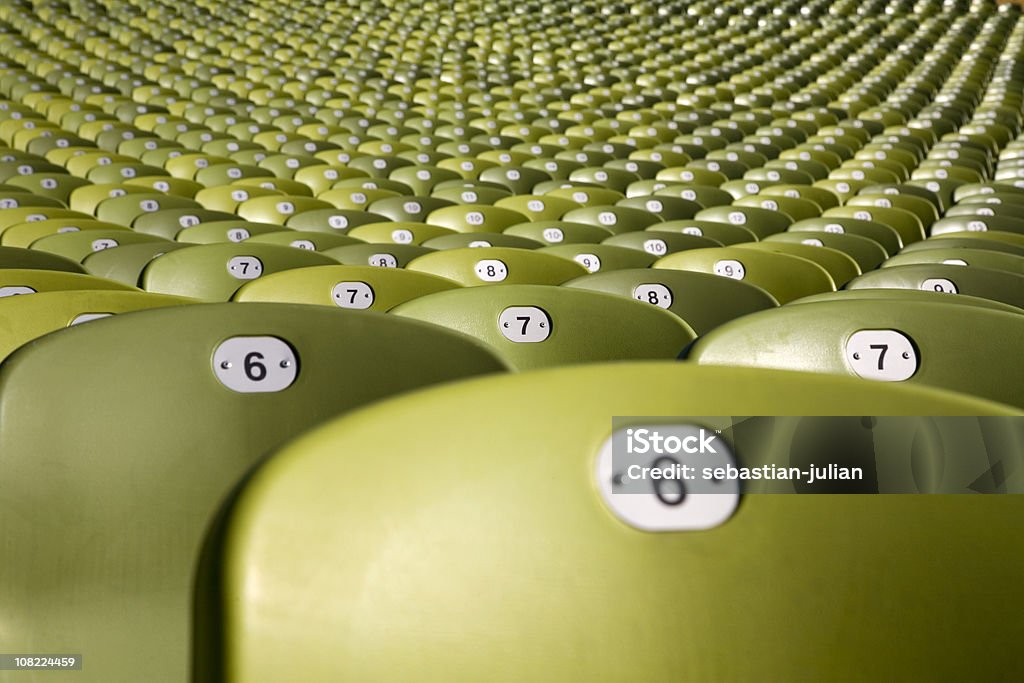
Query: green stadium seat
[213, 272]
[883, 235]
[463, 240]
[278, 208]
[784, 276]
[353, 287]
[537, 326]
[558, 232]
[472, 267]
[982, 258]
[977, 223]
[927, 296]
[703, 301]
[895, 340]
[284, 577]
[538, 208]
[28, 259]
[760, 221]
[127, 209]
[616, 219]
[658, 243]
[723, 233]
[243, 378]
[126, 263]
[26, 318]
[998, 285]
[378, 255]
[20, 281]
[841, 267]
[236, 230]
[78, 245]
[474, 218]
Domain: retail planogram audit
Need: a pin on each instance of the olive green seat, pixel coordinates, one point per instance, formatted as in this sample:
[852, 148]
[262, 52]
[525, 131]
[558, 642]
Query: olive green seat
[162, 413]
[970, 210]
[928, 296]
[703, 301]
[746, 187]
[705, 195]
[125, 210]
[27, 200]
[471, 193]
[723, 233]
[996, 199]
[586, 195]
[126, 263]
[538, 207]
[614, 218]
[907, 224]
[230, 197]
[965, 241]
[212, 272]
[658, 243]
[304, 239]
[944, 190]
[885, 236]
[761, 222]
[12, 217]
[474, 218]
[934, 197]
[473, 267]
[409, 208]
[25, 234]
[336, 221]
[462, 240]
[867, 253]
[278, 208]
[998, 285]
[601, 257]
[25, 318]
[29, 259]
[820, 196]
[895, 340]
[559, 232]
[87, 198]
[784, 276]
[379, 255]
[664, 207]
[537, 326]
[57, 186]
[78, 245]
[978, 223]
[168, 223]
[976, 189]
[327, 550]
[398, 232]
[518, 179]
[920, 207]
[982, 258]
[14, 281]
[355, 287]
[841, 267]
[234, 230]
[794, 208]
[1001, 236]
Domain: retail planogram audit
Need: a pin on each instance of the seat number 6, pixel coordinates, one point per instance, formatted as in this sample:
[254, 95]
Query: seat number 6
[252, 365]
